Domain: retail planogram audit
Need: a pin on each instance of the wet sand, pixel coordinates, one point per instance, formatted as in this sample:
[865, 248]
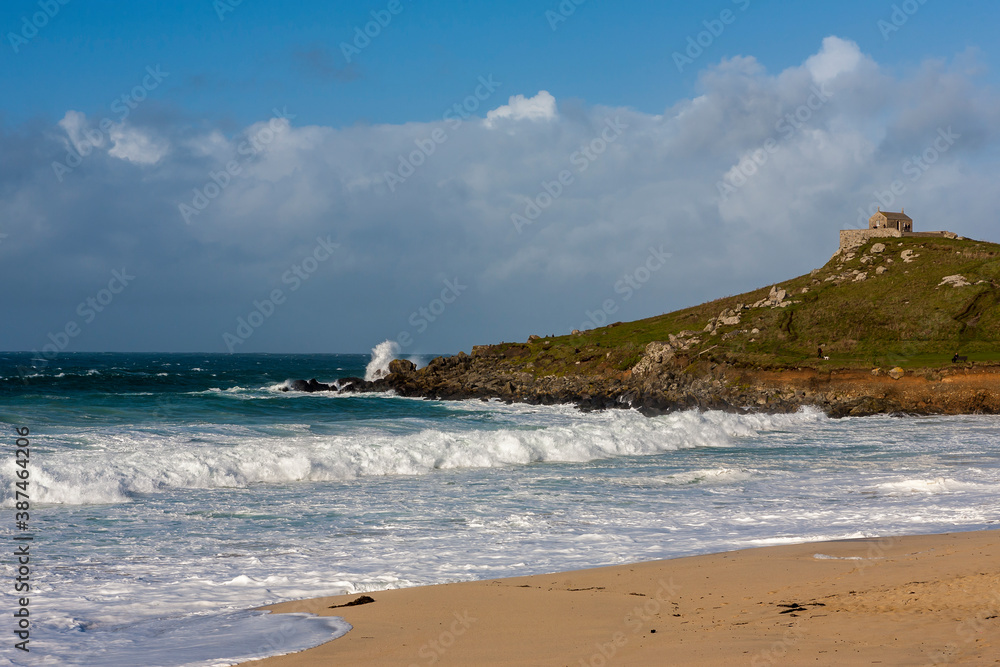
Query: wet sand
[914, 600]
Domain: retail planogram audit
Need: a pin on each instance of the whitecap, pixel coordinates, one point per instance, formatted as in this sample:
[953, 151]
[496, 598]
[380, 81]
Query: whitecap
[129, 463]
[939, 485]
[382, 354]
[204, 639]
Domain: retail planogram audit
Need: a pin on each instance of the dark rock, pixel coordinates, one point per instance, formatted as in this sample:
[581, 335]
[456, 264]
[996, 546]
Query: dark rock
[401, 366]
[308, 386]
[351, 384]
[670, 381]
[863, 407]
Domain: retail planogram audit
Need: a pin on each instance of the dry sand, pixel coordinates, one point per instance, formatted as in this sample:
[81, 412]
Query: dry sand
[916, 600]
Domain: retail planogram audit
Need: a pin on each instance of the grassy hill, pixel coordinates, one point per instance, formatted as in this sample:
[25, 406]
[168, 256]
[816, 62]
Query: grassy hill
[882, 305]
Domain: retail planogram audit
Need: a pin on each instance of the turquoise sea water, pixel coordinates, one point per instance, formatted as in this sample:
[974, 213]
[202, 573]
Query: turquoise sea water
[172, 494]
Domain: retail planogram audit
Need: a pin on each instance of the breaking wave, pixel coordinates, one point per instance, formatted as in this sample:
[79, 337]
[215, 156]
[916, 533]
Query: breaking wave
[382, 355]
[935, 486]
[117, 466]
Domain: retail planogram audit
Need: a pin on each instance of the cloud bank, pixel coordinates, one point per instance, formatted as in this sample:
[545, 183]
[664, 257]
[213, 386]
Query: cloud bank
[742, 185]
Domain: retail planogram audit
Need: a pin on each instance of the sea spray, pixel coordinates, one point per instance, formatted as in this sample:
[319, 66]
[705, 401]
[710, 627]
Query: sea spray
[187, 500]
[382, 354]
[514, 435]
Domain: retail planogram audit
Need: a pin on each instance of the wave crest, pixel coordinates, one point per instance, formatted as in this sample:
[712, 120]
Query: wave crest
[133, 462]
[382, 355]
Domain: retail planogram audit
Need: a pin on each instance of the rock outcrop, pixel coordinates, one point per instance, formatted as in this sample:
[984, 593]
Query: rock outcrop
[667, 379]
[757, 350]
[308, 386]
[401, 366]
[954, 281]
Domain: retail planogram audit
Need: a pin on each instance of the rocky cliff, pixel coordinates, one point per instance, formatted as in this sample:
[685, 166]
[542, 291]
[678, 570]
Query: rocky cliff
[874, 331]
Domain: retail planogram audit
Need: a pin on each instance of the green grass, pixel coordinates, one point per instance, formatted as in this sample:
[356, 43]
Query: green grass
[899, 318]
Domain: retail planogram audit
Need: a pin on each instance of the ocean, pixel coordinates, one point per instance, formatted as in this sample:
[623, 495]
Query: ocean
[171, 494]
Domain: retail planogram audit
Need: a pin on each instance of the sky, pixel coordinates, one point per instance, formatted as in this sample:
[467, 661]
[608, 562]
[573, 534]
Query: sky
[249, 176]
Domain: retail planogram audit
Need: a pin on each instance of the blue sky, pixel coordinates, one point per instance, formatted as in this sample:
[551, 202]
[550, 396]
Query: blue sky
[266, 53]
[323, 178]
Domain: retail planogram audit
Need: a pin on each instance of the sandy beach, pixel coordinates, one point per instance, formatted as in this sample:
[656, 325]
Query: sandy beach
[914, 600]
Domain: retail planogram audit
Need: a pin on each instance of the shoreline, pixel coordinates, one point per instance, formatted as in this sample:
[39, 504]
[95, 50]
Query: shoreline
[659, 384]
[905, 600]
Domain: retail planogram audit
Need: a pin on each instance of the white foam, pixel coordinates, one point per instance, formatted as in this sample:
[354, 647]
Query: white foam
[939, 485]
[707, 476]
[390, 517]
[801, 539]
[382, 354]
[119, 464]
[216, 639]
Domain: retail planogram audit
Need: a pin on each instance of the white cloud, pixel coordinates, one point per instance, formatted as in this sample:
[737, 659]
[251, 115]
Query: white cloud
[80, 134]
[134, 145]
[540, 107]
[836, 57]
[124, 142]
[654, 185]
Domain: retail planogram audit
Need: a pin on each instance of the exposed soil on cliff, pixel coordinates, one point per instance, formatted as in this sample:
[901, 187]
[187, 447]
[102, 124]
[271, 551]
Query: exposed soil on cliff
[674, 384]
